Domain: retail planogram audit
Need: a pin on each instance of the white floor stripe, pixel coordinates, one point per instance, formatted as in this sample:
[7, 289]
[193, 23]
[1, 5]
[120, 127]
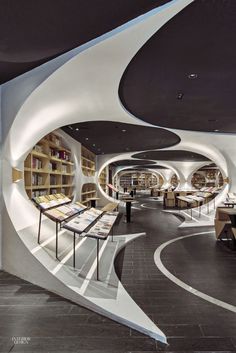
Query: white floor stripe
[66, 258]
[202, 214]
[112, 263]
[151, 208]
[46, 242]
[168, 274]
[93, 268]
[192, 218]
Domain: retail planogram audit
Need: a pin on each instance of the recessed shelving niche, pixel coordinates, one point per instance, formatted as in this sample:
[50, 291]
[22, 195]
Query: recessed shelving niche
[49, 168]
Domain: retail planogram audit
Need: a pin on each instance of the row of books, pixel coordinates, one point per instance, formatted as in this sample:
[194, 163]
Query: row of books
[37, 163]
[37, 179]
[83, 221]
[104, 225]
[37, 193]
[64, 168]
[52, 166]
[59, 154]
[53, 180]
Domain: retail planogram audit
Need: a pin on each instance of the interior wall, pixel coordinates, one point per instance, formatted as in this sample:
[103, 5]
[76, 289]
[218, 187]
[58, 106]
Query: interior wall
[1, 199]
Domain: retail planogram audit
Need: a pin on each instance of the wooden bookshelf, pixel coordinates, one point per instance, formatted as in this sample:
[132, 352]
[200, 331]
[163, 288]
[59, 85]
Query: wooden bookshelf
[207, 176]
[88, 163]
[174, 180]
[88, 191]
[49, 168]
[139, 180]
[103, 179]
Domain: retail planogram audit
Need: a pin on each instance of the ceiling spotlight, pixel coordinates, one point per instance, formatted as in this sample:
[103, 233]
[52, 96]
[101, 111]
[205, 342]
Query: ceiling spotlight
[216, 130]
[86, 138]
[180, 95]
[94, 145]
[192, 76]
[123, 130]
[70, 127]
[77, 129]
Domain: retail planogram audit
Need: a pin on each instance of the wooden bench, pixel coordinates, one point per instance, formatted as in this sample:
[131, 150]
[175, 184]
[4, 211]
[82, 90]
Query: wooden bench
[110, 207]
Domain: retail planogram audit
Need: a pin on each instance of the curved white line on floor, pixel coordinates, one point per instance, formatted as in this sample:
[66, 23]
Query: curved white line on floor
[151, 208]
[163, 269]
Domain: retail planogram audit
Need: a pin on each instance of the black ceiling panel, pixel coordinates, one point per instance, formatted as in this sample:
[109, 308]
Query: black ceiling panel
[184, 76]
[129, 162]
[103, 137]
[33, 32]
[145, 167]
[174, 155]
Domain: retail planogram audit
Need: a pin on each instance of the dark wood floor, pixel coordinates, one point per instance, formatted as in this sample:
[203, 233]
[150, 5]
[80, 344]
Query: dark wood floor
[35, 320]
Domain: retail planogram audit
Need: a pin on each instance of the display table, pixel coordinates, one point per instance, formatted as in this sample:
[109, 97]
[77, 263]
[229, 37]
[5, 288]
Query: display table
[232, 215]
[97, 228]
[188, 202]
[51, 206]
[62, 214]
[199, 200]
[222, 226]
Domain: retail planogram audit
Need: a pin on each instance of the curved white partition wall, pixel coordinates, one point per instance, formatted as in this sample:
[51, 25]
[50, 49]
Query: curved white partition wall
[83, 86]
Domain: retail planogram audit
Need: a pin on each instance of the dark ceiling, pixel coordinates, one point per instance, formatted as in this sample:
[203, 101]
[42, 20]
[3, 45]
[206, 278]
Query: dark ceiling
[172, 155]
[199, 40]
[129, 162]
[33, 32]
[103, 137]
[144, 167]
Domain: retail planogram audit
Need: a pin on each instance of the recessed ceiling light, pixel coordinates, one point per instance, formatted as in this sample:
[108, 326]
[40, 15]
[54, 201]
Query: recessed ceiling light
[94, 145]
[86, 138]
[77, 129]
[180, 95]
[193, 76]
[123, 130]
[216, 130]
[99, 149]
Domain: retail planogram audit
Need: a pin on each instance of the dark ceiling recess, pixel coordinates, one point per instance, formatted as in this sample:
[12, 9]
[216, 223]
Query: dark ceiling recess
[174, 155]
[145, 167]
[103, 137]
[129, 162]
[184, 76]
[33, 32]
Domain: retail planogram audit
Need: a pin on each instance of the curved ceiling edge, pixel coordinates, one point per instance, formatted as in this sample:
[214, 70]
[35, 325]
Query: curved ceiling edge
[186, 82]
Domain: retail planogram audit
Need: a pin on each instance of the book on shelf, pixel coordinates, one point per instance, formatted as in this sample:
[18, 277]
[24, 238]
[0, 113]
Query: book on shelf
[64, 168]
[37, 179]
[38, 148]
[37, 163]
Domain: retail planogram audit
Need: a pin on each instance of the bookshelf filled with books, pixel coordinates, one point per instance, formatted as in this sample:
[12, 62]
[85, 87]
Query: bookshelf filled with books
[89, 190]
[103, 179]
[49, 168]
[88, 160]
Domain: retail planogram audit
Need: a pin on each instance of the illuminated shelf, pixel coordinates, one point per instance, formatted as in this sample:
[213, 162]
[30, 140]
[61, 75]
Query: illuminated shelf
[49, 168]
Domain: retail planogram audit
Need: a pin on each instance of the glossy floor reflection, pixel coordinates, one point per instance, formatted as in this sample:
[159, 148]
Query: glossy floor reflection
[190, 323]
